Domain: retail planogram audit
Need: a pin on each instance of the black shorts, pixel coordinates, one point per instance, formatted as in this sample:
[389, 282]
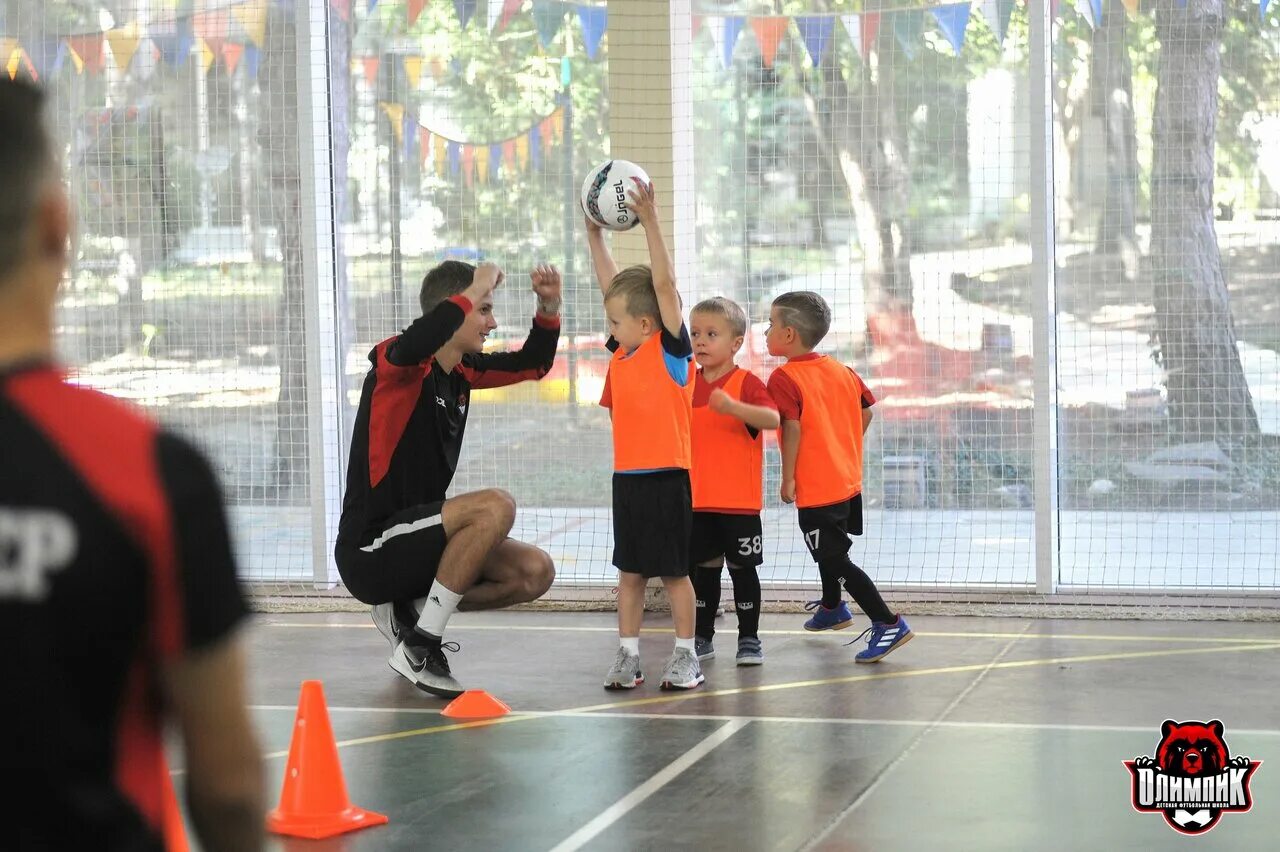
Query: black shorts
[735, 537]
[652, 516]
[401, 560]
[826, 529]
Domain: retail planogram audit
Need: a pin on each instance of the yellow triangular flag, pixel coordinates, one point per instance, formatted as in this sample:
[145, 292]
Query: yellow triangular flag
[75, 59]
[252, 15]
[206, 57]
[395, 113]
[522, 150]
[124, 44]
[441, 152]
[15, 62]
[482, 164]
[413, 70]
[8, 54]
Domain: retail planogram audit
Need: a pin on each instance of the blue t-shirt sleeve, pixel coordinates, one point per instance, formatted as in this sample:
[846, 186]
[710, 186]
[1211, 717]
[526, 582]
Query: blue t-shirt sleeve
[676, 352]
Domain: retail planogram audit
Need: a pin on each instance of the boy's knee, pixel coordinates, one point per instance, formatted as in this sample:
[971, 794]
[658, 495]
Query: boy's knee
[499, 508]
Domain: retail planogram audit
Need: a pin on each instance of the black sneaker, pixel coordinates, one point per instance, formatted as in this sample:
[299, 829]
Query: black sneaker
[426, 667]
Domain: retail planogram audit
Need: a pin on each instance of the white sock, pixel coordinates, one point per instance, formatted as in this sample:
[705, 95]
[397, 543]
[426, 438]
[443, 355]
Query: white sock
[631, 643]
[684, 643]
[439, 604]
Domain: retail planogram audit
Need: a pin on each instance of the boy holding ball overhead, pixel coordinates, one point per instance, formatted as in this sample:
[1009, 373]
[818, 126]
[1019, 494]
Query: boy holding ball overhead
[649, 392]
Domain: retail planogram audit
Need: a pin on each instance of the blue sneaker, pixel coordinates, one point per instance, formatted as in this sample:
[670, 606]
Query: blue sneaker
[837, 618]
[884, 639]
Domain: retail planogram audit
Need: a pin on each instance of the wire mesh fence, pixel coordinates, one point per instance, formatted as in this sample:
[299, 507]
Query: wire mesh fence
[1084, 413]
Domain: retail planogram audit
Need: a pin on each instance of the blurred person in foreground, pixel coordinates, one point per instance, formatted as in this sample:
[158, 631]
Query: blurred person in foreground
[118, 594]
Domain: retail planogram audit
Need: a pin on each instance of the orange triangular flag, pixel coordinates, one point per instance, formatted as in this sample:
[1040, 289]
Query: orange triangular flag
[482, 166]
[522, 150]
[424, 146]
[769, 33]
[509, 154]
[370, 64]
[231, 53]
[1131, 6]
[441, 153]
[88, 51]
[415, 9]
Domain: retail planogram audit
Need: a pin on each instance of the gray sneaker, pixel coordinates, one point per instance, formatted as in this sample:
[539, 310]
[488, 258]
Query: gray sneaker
[750, 653]
[682, 671]
[703, 648]
[426, 667]
[384, 618]
[625, 672]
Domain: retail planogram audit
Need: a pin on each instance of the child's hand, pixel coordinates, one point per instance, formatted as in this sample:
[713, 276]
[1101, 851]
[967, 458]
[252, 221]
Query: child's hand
[788, 491]
[641, 202]
[545, 280]
[721, 402]
[593, 228]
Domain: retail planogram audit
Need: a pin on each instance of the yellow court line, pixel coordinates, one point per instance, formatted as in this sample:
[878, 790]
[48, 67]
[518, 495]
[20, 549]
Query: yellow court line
[935, 634]
[798, 684]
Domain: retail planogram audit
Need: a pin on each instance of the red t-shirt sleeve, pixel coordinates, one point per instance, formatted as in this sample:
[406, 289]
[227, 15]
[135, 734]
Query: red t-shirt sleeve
[868, 398]
[755, 393]
[785, 395]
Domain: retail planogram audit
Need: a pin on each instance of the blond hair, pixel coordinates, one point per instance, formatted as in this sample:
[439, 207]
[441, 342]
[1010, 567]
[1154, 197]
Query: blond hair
[732, 312]
[634, 285]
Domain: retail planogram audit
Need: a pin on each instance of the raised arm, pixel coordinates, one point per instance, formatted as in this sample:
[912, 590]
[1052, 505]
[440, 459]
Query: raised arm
[533, 360]
[424, 337]
[664, 277]
[601, 257]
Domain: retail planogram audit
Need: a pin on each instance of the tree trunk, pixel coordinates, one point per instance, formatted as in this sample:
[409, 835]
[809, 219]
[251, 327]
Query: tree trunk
[1111, 86]
[860, 130]
[1209, 398]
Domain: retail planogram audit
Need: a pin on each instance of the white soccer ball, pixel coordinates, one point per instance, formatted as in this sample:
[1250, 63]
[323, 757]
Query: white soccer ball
[604, 194]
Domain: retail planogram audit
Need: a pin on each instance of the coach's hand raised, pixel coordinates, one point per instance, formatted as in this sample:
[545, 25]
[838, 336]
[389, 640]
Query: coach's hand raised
[487, 279]
[546, 285]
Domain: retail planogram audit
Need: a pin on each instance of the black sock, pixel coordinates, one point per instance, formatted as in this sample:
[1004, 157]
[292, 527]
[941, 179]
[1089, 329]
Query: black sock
[830, 584]
[706, 589]
[746, 600]
[861, 588]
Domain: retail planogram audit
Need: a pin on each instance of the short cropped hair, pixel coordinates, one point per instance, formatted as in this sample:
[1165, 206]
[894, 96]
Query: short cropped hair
[634, 285]
[731, 311]
[448, 279]
[807, 313]
[27, 161]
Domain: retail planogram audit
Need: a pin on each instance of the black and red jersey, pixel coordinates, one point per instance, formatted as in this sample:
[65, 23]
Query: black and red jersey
[114, 560]
[412, 416]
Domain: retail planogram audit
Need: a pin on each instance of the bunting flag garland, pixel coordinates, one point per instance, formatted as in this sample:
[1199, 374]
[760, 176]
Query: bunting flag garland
[728, 39]
[484, 160]
[252, 17]
[908, 29]
[395, 115]
[9, 51]
[413, 70]
[815, 33]
[997, 14]
[769, 33]
[548, 17]
[953, 20]
[124, 44]
[370, 66]
[415, 8]
[594, 20]
[342, 7]
[1131, 8]
[1262, 8]
[465, 9]
[206, 56]
[88, 52]
[1091, 11]
[231, 54]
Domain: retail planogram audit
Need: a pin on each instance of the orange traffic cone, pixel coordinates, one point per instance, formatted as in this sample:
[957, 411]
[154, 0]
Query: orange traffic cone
[314, 801]
[475, 704]
[175, 832]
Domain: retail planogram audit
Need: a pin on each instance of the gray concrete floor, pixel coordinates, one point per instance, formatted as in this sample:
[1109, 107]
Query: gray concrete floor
[984, 734]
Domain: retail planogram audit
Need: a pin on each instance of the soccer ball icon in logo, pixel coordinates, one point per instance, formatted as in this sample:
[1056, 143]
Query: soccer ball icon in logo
[1192, 779]
[604, 194]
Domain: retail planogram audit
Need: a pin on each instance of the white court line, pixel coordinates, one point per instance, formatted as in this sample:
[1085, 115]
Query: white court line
[934, 634]
[620, 808]
[912, 746]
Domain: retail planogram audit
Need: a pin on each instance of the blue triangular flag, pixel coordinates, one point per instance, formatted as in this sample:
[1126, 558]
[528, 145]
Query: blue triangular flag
[953, 20]
[47, 54]
[465, 9]
[595, 20]
[548, 16]
[409, 136]
[1262, 9]
[908, 29]
[495, 160]
[372, 3]
[174, 43]
[816, 32]
[535, 147]
[732, 29]
[455, 157]
[252, 59]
